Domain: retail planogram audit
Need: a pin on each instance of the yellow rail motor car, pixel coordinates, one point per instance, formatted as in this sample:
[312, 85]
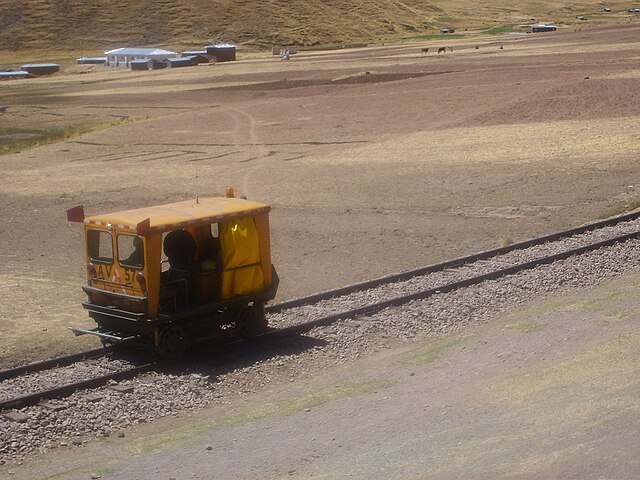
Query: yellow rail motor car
[169, 275]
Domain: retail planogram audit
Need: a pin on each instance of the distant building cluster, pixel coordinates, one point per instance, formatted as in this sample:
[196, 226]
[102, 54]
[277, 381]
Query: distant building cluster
[155, 58]
[133, 58]
[29, 71]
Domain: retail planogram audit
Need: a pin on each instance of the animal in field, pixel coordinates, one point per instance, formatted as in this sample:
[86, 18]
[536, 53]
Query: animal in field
[425, 50]
[442, 50]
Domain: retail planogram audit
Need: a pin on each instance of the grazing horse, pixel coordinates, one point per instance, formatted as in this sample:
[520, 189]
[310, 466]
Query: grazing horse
[425, 50]
[442, 50]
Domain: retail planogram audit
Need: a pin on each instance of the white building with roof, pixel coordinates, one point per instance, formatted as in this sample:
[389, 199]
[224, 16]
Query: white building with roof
[121, 57]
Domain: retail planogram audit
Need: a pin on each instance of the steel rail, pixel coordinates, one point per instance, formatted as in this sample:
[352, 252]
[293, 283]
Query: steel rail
[65, 390]
[52, 363]
[31, 399]
[356, 287]
[401, 300]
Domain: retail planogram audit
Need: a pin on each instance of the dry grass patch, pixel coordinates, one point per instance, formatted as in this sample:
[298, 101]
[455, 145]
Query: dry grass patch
[620, 209]
[13, 140]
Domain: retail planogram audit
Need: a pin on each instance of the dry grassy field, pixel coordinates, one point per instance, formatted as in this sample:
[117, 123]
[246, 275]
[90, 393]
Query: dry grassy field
[375, 159]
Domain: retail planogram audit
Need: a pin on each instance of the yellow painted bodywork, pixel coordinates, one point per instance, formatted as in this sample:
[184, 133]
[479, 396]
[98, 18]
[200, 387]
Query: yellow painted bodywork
[114, 277]
[243, 235]
[240, 246]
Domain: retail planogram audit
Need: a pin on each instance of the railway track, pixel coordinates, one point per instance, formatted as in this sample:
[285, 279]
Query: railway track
[51, 363]
[395, 290]
[630, 218]
[362, 299]
[61, 377]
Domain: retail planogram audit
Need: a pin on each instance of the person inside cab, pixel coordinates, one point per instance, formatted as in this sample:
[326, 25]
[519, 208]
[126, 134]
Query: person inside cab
[136, 257]
[180, 248]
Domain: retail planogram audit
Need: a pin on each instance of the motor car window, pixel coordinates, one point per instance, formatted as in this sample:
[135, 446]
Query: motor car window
[100, 246]
[130, 250]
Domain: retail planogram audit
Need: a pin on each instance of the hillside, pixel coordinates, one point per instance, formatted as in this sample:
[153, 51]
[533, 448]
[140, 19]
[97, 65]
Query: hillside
[76, 25]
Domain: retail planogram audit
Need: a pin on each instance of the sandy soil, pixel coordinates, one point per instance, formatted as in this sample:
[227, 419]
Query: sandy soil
[375, 160]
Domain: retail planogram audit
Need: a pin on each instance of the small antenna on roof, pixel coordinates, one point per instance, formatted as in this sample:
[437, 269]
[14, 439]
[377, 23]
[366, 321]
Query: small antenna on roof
[197, 199]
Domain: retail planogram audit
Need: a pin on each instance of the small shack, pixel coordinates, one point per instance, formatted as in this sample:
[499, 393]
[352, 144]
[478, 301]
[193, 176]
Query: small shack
[199, 55]
[14, 75]
[222, 52]
[177, 62]
[91, 60]
[448, 30]
[141, 64]
[158, 64]
[40, 68]
[543, 28]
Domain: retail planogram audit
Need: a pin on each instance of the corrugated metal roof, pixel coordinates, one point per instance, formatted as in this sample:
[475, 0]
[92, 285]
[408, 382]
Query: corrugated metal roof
[139, 51]
[181, 214]
[41, 65]
[221, 45]
[14, 74]
[91, 60]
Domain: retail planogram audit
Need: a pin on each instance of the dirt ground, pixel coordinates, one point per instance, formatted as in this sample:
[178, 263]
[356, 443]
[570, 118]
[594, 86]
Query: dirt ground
[375, 160]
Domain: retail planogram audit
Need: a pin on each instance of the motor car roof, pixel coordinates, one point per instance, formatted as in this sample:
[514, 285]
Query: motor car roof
[184, 214]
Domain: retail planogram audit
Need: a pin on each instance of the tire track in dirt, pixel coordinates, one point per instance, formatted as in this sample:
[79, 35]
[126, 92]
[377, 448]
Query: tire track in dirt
[245, 126]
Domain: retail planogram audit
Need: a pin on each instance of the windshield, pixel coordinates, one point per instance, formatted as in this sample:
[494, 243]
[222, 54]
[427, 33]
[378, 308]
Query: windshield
[130, 250]
[100, 246]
